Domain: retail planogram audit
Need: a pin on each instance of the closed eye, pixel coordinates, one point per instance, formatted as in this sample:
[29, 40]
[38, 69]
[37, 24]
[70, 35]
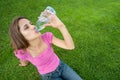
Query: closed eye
[26, 27]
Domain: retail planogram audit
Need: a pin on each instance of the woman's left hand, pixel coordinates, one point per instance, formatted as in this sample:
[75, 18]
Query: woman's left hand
[54, 21]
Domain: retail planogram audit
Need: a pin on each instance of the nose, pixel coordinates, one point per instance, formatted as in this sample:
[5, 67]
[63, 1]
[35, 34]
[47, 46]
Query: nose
[32, 27]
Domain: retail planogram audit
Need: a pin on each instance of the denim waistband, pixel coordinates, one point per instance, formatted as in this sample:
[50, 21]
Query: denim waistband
[61, 63]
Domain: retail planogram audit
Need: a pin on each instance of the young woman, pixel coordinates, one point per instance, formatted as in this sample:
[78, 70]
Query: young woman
[32, 46]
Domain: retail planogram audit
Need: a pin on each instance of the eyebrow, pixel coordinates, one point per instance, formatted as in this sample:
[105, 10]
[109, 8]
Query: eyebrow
[26, 24]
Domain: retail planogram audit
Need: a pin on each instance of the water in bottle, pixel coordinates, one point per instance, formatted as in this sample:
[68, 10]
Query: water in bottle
[43, 19]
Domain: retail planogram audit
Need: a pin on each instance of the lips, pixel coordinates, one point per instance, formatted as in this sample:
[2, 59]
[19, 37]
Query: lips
[36, 30]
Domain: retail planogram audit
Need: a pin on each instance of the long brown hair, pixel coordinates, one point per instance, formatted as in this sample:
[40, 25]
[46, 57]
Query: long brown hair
[17, 39]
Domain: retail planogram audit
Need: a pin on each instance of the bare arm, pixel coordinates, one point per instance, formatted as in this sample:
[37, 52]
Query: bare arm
[67, 42]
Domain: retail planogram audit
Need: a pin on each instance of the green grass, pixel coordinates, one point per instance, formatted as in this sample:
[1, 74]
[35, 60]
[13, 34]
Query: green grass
[93, 24]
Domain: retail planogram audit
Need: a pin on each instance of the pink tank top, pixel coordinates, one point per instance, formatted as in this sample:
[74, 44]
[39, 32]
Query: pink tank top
[47, 61]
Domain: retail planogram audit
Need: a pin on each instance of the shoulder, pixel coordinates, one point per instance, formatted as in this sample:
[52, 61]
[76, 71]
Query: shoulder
[20, 51]
[47, 36]
[21, 54]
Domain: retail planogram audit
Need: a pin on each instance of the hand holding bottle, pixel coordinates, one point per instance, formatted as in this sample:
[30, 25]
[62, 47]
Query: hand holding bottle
[54, 21]
[44, 18]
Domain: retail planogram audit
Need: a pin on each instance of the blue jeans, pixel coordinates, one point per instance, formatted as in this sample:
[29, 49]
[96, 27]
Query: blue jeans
[63, 72]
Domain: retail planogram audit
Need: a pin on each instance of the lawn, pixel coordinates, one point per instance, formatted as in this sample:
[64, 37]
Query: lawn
[93, 24]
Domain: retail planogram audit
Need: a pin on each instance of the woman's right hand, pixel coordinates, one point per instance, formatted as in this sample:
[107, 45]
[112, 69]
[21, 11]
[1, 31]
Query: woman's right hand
[23, 63]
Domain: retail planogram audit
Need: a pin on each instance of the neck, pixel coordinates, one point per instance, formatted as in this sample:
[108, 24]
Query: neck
[35, 43]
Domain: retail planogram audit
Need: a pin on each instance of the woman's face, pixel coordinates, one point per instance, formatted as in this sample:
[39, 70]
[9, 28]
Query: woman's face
[28, 30]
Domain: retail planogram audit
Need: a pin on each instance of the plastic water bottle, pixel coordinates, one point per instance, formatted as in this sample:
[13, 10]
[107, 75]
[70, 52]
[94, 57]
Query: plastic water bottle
[43, 18]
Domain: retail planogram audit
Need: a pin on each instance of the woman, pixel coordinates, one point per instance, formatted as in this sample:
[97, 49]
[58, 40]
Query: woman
[32, 46]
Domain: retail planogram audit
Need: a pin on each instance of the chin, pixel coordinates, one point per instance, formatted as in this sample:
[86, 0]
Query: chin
[33, 37]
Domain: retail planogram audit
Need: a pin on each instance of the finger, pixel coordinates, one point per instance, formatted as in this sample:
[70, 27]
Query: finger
[48, 24]
[49, 13]
[41, 14]
[20, 64]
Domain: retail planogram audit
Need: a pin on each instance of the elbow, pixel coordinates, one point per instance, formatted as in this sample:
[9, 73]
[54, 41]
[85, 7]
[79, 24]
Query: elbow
[71, 48]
